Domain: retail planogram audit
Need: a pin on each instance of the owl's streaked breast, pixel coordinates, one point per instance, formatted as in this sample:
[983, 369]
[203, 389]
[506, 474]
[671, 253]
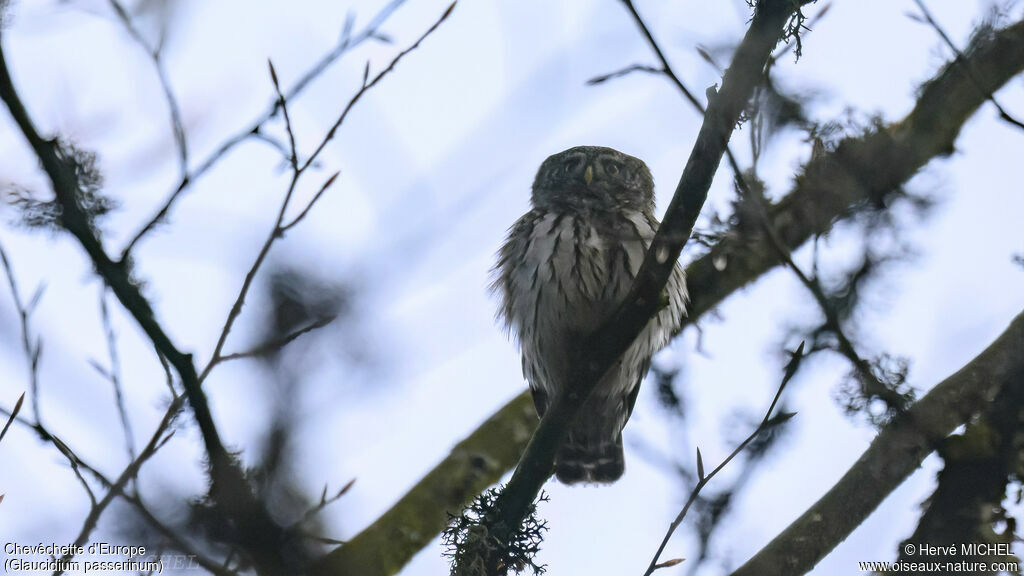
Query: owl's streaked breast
[564, 276]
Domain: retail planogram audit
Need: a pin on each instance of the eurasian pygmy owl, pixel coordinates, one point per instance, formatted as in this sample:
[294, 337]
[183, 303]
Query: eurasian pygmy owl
[566, 266]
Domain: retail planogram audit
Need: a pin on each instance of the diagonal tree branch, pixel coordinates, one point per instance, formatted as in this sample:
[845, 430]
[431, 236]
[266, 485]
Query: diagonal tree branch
[597, 354]
[702, 479]
[298, 169]
[893, 456]
[228, 486]
[473, 464]
[812, 207]
[864, 172]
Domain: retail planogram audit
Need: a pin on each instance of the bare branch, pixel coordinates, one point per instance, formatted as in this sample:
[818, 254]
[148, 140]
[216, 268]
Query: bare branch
[117, 487]
[229, 488]
[324, 502]
[833, 188]
[114, 375]
[298, 169]
[703, 479]
[278, 343]
[871, 385]
[863, 171]
[368, 85]
[625, 72]
[176, 539]
[475, 463]
[311, 203]
[666, 68]
[346, 43]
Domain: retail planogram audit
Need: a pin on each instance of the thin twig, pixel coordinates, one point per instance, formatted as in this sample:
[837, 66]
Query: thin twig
[309, 206]
[229, 488]
[114, 375]
[156, 441]
[177, 126]
[177, 541]
[368, 85]
[666, 68]
[702, 480]
[625, 72]
[668, 72]
[116, 488]
[293, 153]
[12, 415]
[277, 343]
[324, 502]
[32, 351]
[346, 43]
[298, 169]
[970, 72]
[895, 453]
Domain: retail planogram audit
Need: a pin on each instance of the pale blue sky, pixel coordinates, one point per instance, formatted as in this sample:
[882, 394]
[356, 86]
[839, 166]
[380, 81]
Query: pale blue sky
[435, 164]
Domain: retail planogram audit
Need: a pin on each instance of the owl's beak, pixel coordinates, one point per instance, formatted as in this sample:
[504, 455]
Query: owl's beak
[588, 174]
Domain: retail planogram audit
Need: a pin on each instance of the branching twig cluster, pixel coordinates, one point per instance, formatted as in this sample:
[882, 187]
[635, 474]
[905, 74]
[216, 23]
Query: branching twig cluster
[345, 44]
[257, 535]
[702, 479]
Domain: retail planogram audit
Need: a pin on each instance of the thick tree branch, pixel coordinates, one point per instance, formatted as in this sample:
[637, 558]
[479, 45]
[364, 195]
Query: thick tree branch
[980, 466]
[478, 461]
[812, 207]
[894, 455]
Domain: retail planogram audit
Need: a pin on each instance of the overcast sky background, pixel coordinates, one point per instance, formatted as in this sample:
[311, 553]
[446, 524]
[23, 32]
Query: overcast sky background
[436, 162]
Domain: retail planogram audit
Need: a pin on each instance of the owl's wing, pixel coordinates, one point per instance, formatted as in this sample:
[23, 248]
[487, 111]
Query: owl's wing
[635, 391]
[511, 255]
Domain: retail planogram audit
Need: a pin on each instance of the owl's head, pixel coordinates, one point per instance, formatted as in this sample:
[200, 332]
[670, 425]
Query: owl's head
[593, 178]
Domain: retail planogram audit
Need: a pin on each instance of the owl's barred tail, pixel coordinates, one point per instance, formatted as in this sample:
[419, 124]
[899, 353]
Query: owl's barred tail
[589, 461]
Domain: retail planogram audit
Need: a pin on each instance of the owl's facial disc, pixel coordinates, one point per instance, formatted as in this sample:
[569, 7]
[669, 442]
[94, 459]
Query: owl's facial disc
[592, 178]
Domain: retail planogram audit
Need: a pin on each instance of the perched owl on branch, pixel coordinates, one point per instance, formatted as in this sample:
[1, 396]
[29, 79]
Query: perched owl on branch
[563, 271]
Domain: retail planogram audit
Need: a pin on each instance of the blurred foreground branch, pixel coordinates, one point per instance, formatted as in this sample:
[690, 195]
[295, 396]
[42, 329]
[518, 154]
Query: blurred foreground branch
[865, 172]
